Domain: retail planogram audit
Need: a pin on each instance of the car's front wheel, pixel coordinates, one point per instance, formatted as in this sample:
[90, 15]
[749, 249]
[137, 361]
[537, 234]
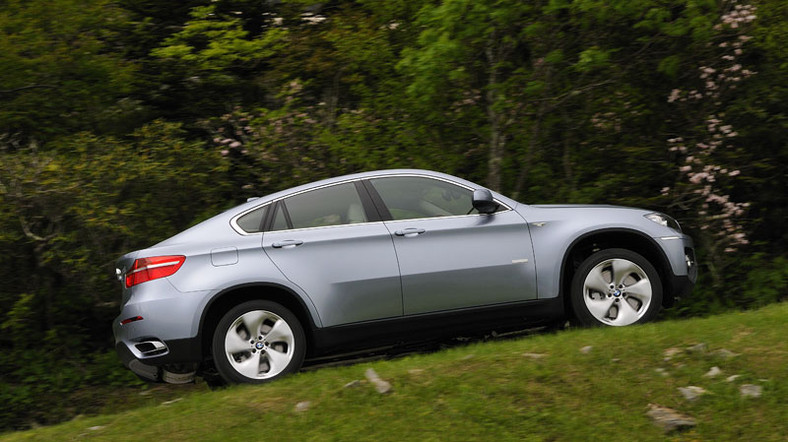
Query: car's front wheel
[616, 287]
[258, 341]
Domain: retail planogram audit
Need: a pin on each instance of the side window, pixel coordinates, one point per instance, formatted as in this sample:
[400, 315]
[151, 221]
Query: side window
[421, 197]
[329, 206]
[280, 222]
[252, 222]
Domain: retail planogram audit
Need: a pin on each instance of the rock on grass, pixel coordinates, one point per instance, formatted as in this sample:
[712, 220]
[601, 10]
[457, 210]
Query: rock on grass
[668, 419]
[692, 392]
[750, 390]
[381, 386]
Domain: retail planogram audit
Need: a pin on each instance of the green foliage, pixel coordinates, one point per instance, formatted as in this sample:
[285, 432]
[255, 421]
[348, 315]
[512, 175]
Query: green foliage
[592, 58]
[210, 43]
[766, 284]
[57, 71]
[71, 212]
[42, 387]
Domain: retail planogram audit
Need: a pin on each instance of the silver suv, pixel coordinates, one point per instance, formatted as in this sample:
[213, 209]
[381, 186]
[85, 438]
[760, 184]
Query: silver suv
[384, 257]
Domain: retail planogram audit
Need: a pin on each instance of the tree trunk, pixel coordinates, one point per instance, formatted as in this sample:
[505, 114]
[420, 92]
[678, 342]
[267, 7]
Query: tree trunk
[497, 137]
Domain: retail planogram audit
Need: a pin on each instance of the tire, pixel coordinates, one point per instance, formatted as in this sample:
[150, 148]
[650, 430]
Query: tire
[615, 287]
[258, 341]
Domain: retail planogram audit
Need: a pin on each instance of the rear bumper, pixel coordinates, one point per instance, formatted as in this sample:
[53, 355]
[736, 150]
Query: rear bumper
[176, 363]
[155, 333]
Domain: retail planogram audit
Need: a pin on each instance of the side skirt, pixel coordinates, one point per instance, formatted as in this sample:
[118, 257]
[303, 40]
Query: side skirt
[427, 327]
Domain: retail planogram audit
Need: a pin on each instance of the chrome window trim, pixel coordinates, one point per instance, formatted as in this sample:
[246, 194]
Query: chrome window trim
[240, 231]
[445, 180]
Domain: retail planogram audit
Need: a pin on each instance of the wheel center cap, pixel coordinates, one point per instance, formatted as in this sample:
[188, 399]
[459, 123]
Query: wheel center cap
[617, 293]
[259, 346]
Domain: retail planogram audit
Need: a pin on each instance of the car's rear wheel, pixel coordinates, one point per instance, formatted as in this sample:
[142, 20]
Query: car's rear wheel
[258, 341]
[616, 287]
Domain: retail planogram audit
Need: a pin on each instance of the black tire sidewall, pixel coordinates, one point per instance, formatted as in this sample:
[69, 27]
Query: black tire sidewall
[223, 366]
[581, 313]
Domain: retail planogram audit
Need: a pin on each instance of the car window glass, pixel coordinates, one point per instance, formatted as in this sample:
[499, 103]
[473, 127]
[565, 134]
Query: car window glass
[328, 206]
[252, 222]
[421, 197]
[280, 222]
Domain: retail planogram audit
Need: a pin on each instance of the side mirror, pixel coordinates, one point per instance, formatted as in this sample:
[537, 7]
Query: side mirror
[483, 201]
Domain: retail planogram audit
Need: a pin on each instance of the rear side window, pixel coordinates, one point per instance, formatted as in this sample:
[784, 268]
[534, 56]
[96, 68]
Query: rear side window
[252, 222]
[329, 206]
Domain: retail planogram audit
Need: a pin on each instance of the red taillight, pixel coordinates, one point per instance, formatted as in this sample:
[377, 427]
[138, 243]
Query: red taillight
[130, 320]
[146, 269]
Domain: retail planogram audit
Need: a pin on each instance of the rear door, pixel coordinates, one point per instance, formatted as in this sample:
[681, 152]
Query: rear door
[450, 256]
[329, 243]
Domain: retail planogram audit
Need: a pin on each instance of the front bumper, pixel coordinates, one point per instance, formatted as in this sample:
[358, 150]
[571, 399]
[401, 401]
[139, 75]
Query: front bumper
[683, 265]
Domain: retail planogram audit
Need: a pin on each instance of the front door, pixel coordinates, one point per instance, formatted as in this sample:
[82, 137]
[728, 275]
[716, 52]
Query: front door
[451, 257]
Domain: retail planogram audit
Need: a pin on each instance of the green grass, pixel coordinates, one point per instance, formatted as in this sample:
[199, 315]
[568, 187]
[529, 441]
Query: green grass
[490, 391]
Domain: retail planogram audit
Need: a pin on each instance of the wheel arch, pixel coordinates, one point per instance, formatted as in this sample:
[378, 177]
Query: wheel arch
[589, 243]
[223, 301]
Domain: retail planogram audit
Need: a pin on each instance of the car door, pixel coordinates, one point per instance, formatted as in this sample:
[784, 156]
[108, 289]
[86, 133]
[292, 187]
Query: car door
[329, 243]
[450, 256]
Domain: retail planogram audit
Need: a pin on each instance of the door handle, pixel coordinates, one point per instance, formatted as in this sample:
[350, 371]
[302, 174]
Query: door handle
[287, 244]
[410, 232]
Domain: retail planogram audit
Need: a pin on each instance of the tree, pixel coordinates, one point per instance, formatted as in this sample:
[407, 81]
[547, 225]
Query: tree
[58, 73]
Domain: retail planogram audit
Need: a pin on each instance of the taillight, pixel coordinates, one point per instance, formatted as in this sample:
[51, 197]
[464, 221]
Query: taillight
[146, 269]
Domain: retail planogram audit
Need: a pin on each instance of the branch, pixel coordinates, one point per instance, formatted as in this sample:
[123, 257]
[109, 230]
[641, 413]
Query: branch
[573, 93]
[30, 233]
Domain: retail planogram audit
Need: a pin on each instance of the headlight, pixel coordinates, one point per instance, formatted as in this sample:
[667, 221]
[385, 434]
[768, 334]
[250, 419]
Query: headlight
[664, 220]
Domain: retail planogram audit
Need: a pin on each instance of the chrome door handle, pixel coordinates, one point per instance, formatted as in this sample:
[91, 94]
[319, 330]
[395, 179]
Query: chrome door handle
[287, 244]
[409, 232]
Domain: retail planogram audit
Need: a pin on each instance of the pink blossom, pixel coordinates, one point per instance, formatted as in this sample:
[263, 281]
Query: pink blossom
[698, 177]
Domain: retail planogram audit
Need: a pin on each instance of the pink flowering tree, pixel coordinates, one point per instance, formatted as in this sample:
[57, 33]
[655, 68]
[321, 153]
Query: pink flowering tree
[705, 145]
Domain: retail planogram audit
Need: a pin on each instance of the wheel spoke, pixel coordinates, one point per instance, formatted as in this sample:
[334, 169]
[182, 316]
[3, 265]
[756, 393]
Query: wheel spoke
[277, 361]
[280, 332]
[235, 343]
[596, 281]
[599, 307]
[249, 367]
[626, 314]
[640, 290]
[621, 269]
[253, 320]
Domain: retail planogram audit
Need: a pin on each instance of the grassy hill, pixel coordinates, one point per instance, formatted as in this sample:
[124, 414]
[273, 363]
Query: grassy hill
[542, 387]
